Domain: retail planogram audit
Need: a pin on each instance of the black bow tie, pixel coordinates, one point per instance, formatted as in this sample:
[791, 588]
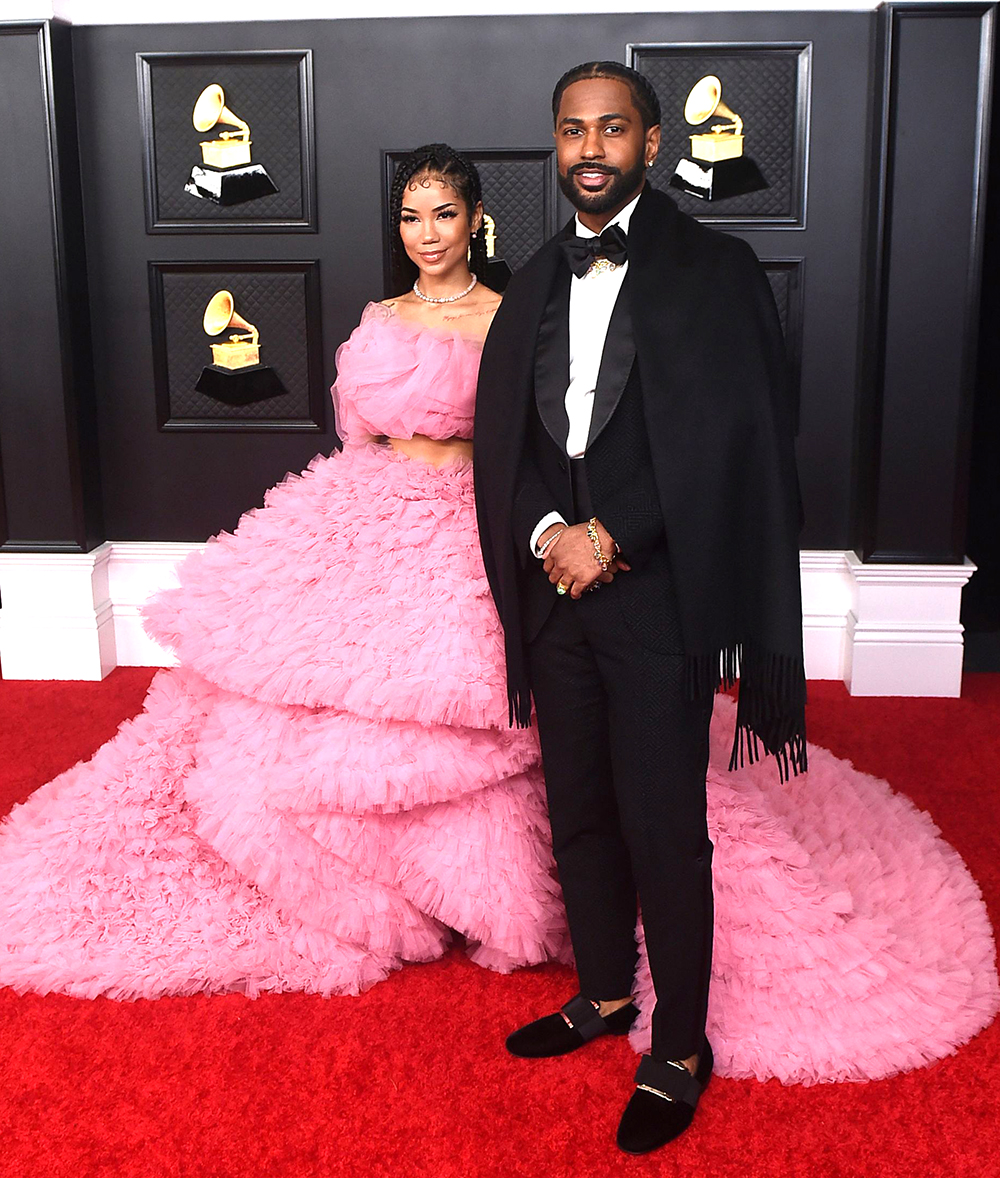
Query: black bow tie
[581, 251]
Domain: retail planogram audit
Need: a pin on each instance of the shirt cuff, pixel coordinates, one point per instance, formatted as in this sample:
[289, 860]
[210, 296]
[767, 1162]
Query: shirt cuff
[545, 522]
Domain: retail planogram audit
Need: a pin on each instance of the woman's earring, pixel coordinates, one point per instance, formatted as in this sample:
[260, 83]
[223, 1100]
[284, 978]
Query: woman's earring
[472, 237]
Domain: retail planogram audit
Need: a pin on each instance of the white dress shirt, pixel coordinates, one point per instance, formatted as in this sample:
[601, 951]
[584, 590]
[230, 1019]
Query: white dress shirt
[592, 299]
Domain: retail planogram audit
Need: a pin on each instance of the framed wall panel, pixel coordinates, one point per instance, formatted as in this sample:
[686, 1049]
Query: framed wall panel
[768, 87]
[256, 172]
[281, 301]
[519, 193]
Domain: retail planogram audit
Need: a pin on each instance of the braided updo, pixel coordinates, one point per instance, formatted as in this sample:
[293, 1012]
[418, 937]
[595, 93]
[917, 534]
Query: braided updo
[643, 95]
[436, 161]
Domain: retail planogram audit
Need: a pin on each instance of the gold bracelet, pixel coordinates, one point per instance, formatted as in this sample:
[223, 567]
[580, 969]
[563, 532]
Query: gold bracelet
[602, 560]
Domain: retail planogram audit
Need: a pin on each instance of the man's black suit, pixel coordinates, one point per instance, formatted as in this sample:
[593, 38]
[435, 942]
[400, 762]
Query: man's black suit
[624, 752]
[689, 466]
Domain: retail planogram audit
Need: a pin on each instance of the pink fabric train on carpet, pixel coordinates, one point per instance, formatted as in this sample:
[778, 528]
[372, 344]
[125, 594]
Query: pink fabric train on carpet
[851, 941]
[328, 785]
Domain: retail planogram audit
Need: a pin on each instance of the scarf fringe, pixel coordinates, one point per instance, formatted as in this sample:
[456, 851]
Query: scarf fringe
[789, 750]
[519, 707]
[770, 712]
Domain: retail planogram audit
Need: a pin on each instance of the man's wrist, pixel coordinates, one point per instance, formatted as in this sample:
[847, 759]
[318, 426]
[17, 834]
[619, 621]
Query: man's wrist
[609, 547]
[599, 538]
[543, 528]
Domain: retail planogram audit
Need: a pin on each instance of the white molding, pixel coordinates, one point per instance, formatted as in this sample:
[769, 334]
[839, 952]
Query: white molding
[883, 629]
[138, 570]
[826, 598]
[57, 615]
[126, 12]
[904, 636]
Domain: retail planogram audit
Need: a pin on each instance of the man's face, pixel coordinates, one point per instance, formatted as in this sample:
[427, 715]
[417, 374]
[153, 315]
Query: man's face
[601, 148]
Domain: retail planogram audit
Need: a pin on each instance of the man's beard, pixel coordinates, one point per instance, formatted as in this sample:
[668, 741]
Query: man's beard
[621, 186]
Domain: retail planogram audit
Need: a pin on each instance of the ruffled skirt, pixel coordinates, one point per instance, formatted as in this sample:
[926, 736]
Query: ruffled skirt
[328, 785]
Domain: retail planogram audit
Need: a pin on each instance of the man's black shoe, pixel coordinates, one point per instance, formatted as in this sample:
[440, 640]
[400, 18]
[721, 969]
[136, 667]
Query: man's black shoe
[553, 1035]
[663, 1103]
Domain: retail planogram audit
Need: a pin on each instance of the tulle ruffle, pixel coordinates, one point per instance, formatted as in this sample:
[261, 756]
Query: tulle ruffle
[163, 866]
[851, 941]
[358, 586]
[398, 378]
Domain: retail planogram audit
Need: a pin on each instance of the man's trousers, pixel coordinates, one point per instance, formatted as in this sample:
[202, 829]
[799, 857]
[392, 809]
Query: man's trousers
[625, 757]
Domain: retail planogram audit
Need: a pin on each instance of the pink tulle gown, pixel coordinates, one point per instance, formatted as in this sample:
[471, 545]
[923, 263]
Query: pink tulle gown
[327, 785]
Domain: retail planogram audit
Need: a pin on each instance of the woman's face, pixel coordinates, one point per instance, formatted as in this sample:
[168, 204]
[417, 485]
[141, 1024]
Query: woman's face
[435, 227]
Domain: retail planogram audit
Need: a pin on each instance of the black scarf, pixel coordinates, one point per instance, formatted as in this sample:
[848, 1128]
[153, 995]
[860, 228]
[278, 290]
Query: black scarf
[715, 388]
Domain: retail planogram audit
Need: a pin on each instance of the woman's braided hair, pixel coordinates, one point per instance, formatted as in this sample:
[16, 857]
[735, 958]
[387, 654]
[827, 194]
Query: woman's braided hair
[435, 161]
[646, 101]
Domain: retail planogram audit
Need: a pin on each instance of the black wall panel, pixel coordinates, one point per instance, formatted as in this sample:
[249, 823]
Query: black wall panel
[48, 455]
[383, 84]
[981, 597]
[925, 326]
[935, 76]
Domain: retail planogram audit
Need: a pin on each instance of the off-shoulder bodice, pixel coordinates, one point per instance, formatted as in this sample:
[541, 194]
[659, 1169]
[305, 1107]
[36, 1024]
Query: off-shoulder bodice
[399, 378]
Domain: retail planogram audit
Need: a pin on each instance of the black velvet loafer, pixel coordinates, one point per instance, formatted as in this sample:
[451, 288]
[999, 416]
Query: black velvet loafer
[553, 1035]
[663, 1103]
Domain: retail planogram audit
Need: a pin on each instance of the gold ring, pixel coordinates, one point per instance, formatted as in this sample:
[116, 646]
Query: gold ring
[562, 589]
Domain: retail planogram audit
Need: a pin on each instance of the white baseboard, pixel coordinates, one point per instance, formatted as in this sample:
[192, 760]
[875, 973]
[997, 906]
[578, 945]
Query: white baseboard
[826, 598]
[904, 636]
[57, 615]
[883, 629]
[136, 571]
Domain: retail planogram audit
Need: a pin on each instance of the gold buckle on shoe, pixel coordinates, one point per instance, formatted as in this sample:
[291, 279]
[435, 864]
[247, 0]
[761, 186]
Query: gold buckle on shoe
[655, 1091]
[569, 1021]
[674, 1063]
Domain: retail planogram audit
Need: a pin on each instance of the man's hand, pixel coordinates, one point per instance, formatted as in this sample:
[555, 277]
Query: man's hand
[551, 531]
[571, 560]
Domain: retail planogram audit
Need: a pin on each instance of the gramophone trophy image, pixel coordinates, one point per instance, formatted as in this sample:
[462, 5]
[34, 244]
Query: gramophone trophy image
[236, 375]
[497, 271]
[716, 167]
[225, 174]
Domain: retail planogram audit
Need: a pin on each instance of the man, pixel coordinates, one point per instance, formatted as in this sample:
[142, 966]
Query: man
[638, 509]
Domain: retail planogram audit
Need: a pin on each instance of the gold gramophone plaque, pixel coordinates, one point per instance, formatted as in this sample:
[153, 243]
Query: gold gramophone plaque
[226, 174]
[716, 167]
[236, 375]
[240, 350]
[497, 271]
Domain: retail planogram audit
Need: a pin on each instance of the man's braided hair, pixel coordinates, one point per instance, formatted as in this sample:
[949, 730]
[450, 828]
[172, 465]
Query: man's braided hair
[643, 95]
[435, 161]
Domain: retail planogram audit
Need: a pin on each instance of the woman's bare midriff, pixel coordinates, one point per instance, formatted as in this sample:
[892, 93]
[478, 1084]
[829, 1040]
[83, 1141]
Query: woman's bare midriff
[436, 451]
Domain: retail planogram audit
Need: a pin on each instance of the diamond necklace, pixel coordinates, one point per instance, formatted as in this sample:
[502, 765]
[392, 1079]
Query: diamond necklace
[449, 298]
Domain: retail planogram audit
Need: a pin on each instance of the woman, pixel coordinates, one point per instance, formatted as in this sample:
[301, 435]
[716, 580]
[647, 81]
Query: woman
[328, 783]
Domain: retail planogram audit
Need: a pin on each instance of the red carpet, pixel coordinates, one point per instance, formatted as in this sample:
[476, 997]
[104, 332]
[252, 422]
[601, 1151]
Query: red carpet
[409, 1079]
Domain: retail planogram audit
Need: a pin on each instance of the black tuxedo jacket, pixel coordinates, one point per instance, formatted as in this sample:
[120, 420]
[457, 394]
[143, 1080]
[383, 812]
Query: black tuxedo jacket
[712, 369]
[618, 475]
